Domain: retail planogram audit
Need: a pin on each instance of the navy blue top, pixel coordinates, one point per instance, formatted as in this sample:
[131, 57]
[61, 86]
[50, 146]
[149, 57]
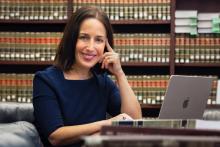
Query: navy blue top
[59, 102]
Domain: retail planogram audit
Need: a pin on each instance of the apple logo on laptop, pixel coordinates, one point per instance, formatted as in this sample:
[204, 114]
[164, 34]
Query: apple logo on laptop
[186, 102]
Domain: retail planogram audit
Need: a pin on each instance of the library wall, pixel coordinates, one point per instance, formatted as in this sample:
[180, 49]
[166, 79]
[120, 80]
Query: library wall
[145, 36]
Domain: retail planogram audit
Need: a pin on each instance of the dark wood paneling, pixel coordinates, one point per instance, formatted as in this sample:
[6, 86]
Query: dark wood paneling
[200, 5]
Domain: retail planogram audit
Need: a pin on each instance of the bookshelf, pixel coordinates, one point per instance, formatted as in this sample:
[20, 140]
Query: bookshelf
[127, 23]
[202, 7]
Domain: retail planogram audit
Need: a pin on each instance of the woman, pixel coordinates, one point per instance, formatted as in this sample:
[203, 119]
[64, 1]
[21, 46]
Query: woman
[72, 97]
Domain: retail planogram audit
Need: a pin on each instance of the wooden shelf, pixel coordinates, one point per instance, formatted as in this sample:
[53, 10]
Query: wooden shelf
[150, 106]
[153, 110]
[26, 62]
[197, 64]
[114, 22]
[131, 22]
[200, 5]
[157, 106]
[145, 64]
[33, 21]
[138, 64]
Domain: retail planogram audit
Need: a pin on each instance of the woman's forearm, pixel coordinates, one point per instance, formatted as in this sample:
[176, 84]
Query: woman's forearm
[129, 102]
[70, 134]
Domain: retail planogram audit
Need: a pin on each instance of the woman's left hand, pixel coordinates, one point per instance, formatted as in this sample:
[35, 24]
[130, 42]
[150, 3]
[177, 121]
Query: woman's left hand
[111, 61]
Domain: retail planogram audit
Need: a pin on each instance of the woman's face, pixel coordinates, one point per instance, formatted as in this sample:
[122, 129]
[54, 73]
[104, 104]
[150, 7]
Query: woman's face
[90, 43]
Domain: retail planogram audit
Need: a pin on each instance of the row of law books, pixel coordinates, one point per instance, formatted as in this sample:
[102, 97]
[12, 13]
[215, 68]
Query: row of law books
[132, 47]
[16, 87]
[204, 48]
[41, 46]
[142, 47]
[150, 89]
[130, 9]
[33, 10]
[29, 46]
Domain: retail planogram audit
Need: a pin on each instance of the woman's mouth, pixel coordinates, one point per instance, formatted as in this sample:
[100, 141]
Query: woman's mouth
[88, 56]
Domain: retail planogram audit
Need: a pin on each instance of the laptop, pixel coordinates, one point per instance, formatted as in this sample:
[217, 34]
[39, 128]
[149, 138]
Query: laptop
[186, 97]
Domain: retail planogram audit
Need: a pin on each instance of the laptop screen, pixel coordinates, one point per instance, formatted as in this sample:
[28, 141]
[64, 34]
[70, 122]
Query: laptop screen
[186, 97]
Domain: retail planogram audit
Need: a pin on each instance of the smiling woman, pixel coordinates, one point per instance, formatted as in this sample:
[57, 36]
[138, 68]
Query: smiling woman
[90, 44]
[72, 98]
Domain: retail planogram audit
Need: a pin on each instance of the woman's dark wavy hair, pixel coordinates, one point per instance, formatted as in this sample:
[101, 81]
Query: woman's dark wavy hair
[65, 55]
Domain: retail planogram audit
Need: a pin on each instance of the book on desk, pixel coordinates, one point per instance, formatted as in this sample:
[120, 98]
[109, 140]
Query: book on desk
[160, 133]
[171, 123]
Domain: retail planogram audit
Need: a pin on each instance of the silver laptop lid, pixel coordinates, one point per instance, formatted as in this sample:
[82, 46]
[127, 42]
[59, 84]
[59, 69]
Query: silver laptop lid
[186, 97]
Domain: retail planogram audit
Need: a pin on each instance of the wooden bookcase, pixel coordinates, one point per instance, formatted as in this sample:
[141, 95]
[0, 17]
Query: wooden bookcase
[126, 26]
[198, 68]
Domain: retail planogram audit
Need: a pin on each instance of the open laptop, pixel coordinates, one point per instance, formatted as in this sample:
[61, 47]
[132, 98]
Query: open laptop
[186, 97]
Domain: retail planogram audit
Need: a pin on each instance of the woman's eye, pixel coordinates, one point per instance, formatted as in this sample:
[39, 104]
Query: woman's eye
[83, 38]
[99, 40]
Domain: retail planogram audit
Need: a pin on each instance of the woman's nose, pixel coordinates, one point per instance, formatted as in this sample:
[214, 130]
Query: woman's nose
[91, 44]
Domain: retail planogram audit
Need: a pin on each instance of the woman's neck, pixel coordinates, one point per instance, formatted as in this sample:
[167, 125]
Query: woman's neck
[77, 74]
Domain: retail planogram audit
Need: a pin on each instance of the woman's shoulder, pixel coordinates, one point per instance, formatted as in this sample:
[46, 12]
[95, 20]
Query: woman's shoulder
[49, 72]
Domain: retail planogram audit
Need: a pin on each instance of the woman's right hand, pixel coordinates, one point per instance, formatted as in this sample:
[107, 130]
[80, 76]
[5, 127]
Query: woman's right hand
[122, 116]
